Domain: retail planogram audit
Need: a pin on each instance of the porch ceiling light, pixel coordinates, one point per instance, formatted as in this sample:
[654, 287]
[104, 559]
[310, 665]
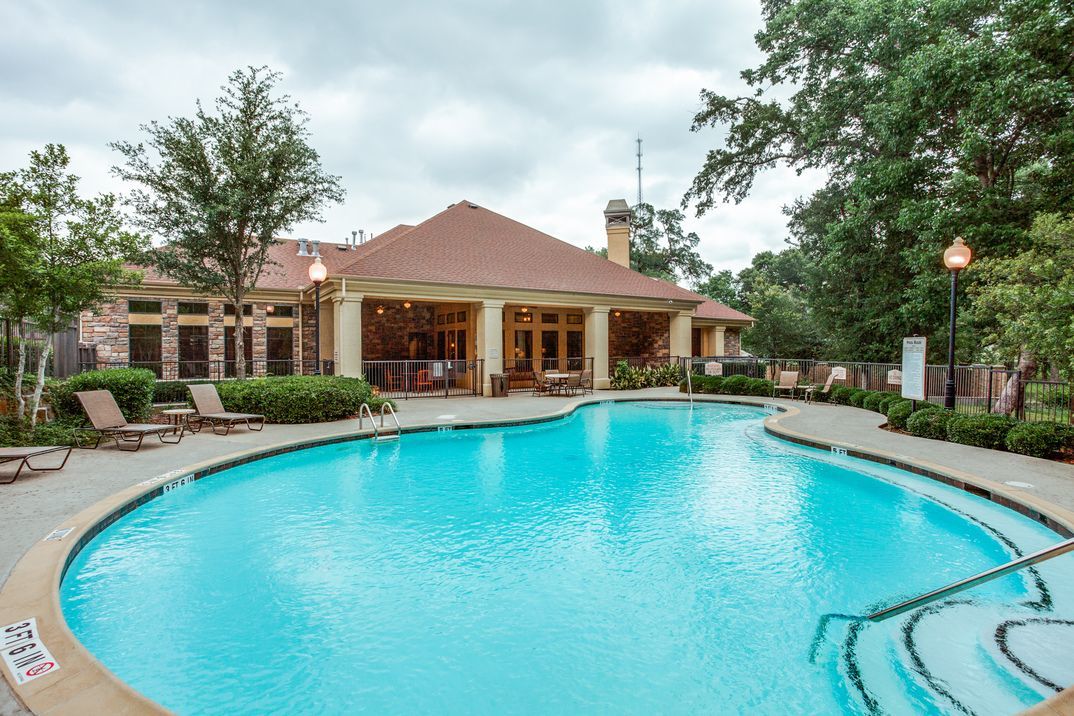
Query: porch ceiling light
[270, 308]
[318, 272]
[524, 309]
[406, 304]
[957, 256]
[616, 314]
[380, 310]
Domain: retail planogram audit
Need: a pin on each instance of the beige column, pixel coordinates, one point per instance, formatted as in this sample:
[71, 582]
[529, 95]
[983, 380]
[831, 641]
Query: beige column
[348, 335]
[680, 324]
[596, 343]
[714, 340]
[488, 319]
[329, 319]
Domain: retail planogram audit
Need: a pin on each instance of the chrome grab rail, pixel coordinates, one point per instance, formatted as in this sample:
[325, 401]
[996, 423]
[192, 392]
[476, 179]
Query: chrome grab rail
[391, 411]
[689, 363]
[986, 576]
[364, 411]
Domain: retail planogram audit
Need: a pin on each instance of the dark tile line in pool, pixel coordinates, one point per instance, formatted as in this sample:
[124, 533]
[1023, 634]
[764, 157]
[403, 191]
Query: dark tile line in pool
[1022, 509]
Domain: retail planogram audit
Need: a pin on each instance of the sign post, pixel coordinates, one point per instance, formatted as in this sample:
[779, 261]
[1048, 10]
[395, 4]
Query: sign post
[913, 367]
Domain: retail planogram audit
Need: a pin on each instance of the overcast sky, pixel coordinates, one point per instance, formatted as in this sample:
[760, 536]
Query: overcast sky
[529, 109]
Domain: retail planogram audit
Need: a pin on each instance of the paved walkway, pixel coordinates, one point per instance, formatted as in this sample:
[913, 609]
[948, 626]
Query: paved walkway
[39, 502]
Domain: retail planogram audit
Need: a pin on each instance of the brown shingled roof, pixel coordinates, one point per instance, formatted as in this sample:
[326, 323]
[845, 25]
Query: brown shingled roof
[470, 245]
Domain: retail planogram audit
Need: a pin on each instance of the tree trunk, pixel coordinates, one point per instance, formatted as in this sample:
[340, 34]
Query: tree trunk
[20, 373]
[1009, 400]
[39, 387]
[240, 341]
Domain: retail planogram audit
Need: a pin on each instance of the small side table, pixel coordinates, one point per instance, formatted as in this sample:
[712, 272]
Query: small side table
[180, 417]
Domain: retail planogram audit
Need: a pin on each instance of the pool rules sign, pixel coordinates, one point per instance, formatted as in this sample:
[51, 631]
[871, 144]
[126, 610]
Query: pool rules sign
[24, 654]
[913, 367]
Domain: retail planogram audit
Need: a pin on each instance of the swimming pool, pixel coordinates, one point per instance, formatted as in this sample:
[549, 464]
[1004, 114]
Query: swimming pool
[631, 558]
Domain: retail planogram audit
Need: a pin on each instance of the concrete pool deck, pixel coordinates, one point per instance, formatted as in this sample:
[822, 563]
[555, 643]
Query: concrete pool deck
[40, 502]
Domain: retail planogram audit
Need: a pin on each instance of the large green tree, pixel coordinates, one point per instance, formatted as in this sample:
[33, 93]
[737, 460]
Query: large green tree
[221, 186]
[65, 253]
[931, 119]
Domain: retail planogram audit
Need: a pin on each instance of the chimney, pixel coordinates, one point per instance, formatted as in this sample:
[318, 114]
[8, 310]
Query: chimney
[617, 224]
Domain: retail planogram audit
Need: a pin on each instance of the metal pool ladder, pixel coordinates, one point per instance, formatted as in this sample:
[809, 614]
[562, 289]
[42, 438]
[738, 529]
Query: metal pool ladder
[378, 432]
[987, 576]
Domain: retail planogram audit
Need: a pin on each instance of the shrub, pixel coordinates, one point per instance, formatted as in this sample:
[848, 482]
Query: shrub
[664, 376]
[930, 423]
[174, 391]
[16, 433]
[736, 385]
[626, 377]
[131, 387]
[899, 411]
[858, 396]
[841, 394]
[1037, 439]
[872, 401]
[298, 399]
[759, 386]
[987, 431]
[886, 401]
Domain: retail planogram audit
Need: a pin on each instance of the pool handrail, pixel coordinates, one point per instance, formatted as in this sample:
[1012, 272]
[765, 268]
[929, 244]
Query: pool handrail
[980, 578]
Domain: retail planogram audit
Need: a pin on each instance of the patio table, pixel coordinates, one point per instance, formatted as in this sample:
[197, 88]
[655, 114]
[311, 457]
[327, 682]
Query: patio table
[559, 379]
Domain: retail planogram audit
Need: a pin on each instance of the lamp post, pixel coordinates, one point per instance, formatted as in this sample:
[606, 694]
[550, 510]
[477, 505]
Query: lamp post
[317, 272]
[955, 258]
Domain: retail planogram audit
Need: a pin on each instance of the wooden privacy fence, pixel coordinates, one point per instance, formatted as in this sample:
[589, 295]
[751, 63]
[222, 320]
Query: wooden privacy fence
[64, 360]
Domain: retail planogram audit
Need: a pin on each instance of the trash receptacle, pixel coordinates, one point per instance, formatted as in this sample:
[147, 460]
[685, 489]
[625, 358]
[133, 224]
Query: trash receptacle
[499, 385]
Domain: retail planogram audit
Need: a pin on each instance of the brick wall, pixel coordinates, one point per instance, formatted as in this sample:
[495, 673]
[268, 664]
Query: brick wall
[732, 342]
[639, 333]
[386, 336]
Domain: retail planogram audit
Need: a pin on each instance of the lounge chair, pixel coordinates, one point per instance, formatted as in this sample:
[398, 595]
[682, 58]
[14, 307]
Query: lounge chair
[788, 383]
[210, 410]
[108, 423]
[811, 390]
[25, 454]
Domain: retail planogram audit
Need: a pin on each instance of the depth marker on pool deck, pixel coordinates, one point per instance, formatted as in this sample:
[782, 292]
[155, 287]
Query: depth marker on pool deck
[25, 656]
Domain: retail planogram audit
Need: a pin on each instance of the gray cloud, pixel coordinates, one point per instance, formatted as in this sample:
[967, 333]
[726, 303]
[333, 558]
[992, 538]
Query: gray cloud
[529, 109]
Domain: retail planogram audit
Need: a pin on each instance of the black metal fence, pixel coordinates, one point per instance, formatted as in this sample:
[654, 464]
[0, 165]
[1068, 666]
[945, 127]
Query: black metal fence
[978, 388]
[215, 369]
[520, 370]
[425, 378]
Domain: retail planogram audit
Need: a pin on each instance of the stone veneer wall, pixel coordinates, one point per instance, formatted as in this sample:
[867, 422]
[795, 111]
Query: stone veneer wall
[639, 333]
[259, 335]
[306, 333]
[732, 342]
[387, 336]
[106, 332]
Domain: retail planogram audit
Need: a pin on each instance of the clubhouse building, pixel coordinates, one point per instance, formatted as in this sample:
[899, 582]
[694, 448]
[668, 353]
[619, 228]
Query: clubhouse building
[431, 309]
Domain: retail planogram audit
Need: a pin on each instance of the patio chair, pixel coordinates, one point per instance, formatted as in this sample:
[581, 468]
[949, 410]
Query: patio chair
[210, 410]
[573, 383]
[811, 390]
[424, 381]
[395, 382]
[587, 381]
[25, 454]
[788, 383]
[108, 423]
[541, 385]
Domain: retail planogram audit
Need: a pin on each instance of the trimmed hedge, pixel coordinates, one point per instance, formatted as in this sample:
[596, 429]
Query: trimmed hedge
[857, 397]
[1038, 439]
[175, 391]
[930, 423]
[987, 431]
[298, 399]
[730, 385]
[899, 411]
[131, 387]
[841, 394]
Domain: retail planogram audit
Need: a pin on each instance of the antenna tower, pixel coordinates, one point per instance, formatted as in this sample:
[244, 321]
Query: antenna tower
[639, 168]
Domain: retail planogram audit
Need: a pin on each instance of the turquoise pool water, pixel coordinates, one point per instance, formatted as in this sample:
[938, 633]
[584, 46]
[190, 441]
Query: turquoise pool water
[633, 558]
